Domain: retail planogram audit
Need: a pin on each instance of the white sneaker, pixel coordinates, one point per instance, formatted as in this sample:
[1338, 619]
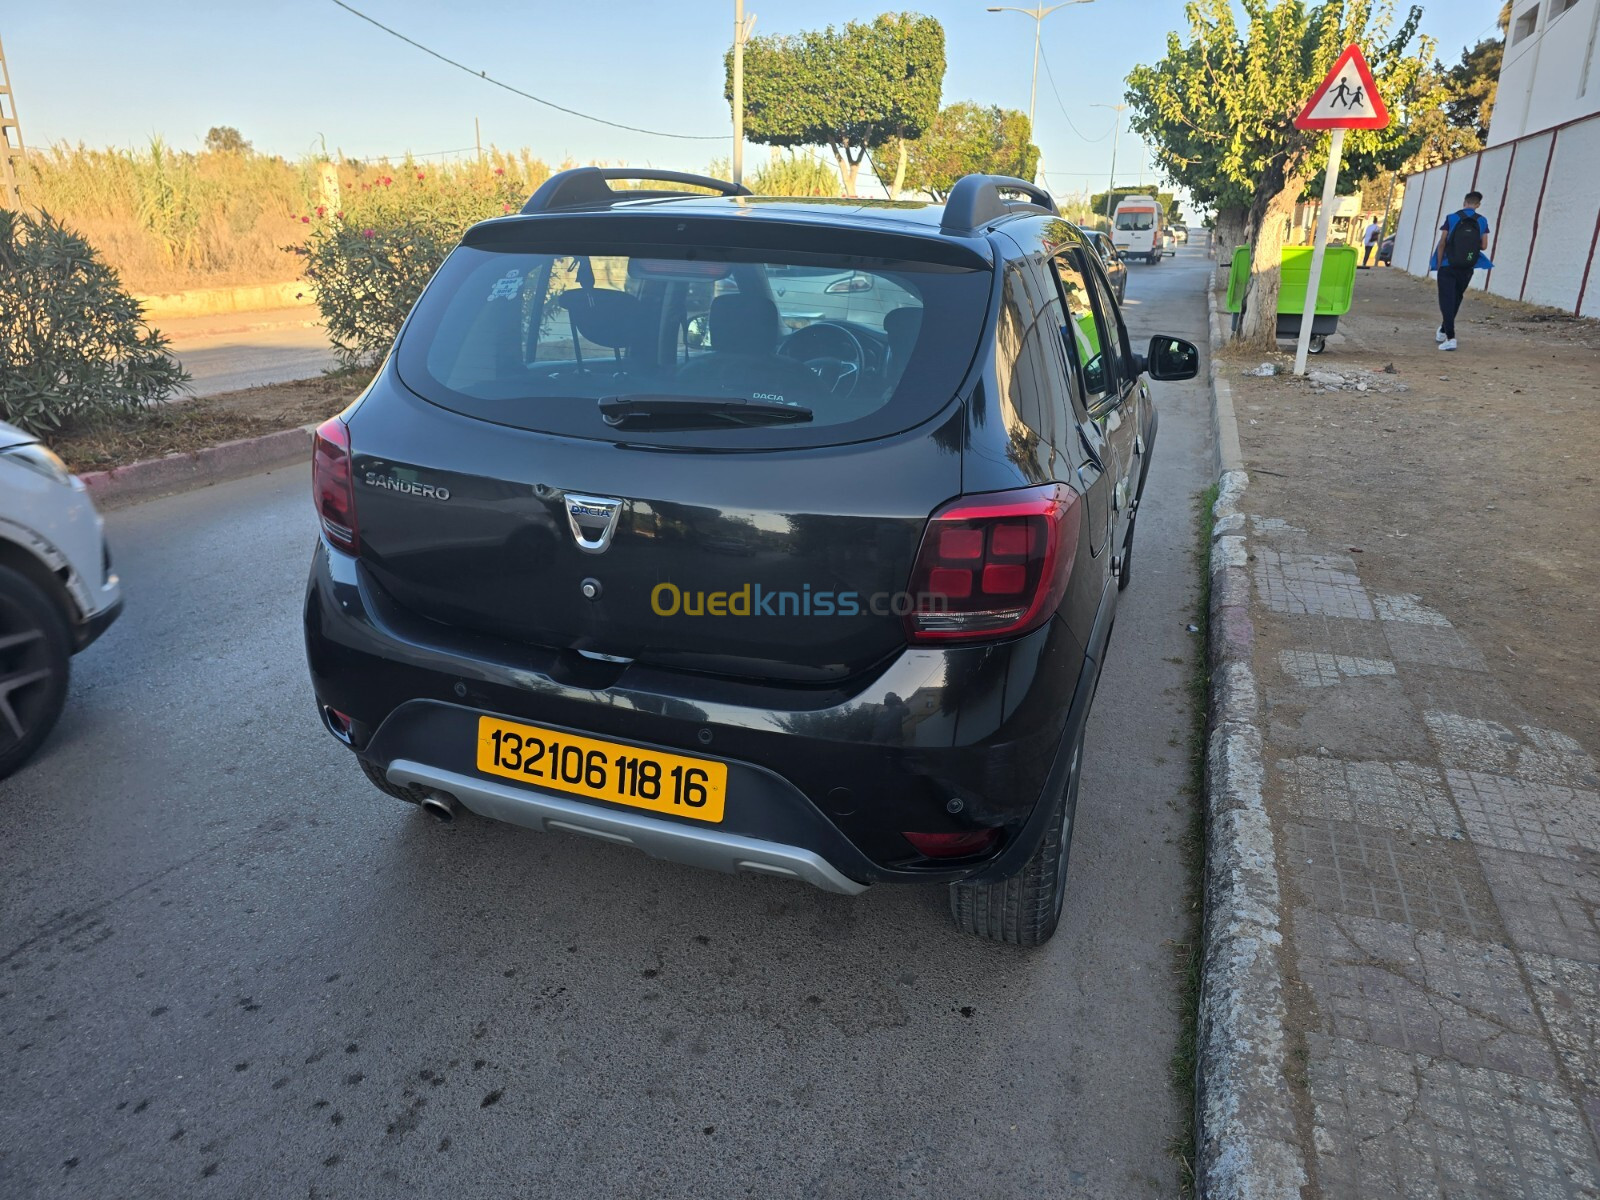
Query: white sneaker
[1438, 335]
[1448, 344]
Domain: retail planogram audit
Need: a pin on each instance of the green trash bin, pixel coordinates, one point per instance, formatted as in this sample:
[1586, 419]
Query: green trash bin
[1334, 292]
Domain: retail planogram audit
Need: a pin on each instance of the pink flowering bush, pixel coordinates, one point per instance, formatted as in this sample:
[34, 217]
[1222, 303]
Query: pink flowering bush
[370, 260]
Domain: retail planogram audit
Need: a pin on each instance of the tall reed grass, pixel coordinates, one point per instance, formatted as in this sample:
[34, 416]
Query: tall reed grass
[168, 219]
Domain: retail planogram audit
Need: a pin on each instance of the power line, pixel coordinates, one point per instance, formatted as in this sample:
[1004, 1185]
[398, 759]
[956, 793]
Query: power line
[687, 137]
[1050, 75]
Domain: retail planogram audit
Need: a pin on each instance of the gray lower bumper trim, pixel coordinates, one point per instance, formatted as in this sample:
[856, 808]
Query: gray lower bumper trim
[693, 845]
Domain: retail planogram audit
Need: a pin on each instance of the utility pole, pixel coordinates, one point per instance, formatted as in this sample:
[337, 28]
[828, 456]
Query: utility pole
[1116, 136]
[1039, 12]
[11, 150]
[741, 35]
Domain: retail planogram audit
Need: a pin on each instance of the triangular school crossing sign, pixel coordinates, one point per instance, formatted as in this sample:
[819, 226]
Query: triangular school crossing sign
[1347, 99]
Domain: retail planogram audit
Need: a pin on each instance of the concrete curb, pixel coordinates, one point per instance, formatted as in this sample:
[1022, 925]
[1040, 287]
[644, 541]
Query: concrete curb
[1247, 1144]
[183, 472]
[208, 302]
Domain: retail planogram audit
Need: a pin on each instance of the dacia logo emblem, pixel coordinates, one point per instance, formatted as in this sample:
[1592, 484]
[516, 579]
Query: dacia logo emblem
[593, 519]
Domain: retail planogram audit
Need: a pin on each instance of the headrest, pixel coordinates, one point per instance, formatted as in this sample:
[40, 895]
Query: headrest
[605, 317]
[742, 324]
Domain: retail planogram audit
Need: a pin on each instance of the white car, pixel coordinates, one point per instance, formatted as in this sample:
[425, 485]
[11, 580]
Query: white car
[57, 589]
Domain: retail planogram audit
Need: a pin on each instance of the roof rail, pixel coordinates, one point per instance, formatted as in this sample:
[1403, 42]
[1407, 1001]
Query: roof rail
[976, 200]
[589, 187]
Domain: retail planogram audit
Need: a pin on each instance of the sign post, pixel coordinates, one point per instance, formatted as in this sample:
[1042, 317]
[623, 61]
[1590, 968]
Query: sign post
[1347, 99]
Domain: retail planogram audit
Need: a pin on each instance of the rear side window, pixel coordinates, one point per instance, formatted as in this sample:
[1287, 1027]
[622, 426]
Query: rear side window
[537, 338]
[1089, 344]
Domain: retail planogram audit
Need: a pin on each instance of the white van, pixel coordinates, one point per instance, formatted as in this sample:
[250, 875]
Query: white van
[1137, 228]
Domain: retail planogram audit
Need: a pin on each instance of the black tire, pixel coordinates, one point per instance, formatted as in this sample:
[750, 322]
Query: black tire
[1319, 343]
[1025, 909]
[379, 780]
[35, 667]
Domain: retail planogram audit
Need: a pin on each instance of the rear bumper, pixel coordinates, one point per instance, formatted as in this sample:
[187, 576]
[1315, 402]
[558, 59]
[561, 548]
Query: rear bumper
[697, 847]
[821, 785]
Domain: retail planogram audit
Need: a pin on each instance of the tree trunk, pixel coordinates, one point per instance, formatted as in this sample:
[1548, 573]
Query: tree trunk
[1228, 233]
[899, 172]
[849, 167]
[1269, 217]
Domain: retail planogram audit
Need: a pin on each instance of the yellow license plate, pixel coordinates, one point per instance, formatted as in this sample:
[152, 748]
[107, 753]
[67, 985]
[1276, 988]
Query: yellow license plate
[597, 770]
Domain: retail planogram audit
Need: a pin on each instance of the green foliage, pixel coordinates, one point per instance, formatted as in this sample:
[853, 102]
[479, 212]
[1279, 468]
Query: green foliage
[853, 90]
[76, 344]
[1167, 201]
[967, 139]
[225, 139]
[1220, 109]
[368, 262]
[1456, 103]
[794, 175]
[367, 279]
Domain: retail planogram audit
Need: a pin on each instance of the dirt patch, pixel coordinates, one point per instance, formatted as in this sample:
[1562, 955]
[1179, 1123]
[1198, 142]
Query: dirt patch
[191, 425]
[1468, 478]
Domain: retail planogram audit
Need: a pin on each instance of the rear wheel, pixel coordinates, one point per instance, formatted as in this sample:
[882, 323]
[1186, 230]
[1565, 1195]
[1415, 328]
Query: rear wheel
[379, 780]
[1025, 909]
[35, 654]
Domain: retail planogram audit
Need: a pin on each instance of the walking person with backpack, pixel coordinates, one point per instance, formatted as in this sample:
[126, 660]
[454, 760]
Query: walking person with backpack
[1460, 252]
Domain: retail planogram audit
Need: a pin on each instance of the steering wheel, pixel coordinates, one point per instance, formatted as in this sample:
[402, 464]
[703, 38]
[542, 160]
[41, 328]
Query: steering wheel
[837, 357]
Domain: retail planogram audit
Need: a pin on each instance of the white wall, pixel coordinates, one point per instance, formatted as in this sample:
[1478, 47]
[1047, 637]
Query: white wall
[1552, 76]
[1541, 195]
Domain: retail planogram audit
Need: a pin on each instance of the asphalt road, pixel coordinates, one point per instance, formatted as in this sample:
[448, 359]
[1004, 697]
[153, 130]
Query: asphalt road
[242, 350]
[229, 968]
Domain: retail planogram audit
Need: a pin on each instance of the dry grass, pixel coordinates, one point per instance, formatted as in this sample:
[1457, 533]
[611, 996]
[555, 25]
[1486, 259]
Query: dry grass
[191, 425]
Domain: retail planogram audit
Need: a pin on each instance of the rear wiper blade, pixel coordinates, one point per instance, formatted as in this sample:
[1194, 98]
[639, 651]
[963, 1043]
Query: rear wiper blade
[669, 407]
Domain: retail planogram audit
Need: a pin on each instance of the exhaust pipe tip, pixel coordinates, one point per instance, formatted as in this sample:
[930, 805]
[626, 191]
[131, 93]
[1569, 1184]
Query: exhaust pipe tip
[441, 806]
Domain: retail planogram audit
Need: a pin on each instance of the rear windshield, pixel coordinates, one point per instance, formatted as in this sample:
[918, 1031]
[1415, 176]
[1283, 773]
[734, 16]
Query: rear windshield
[537, 338]
[1138, 219]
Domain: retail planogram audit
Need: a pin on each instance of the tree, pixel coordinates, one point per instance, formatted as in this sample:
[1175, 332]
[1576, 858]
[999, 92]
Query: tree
[1167, 200]
[854, 90]
[1454, 120]
[1220, 111]
[969, 139]
[225, 139]
[77, 345]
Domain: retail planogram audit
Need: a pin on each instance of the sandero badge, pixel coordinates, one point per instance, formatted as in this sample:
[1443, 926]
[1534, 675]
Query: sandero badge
[410, 487]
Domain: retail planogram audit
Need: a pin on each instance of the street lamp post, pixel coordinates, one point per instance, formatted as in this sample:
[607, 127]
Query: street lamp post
[741, 35]
[1038, 13]
[1116, 135]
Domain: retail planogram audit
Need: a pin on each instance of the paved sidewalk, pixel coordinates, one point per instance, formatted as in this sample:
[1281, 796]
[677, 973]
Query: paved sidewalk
[1402, 992]
[1439, 857]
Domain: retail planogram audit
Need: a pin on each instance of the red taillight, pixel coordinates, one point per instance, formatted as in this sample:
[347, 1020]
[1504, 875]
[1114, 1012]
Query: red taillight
[994, 565]
[953, 845]
[332, 485]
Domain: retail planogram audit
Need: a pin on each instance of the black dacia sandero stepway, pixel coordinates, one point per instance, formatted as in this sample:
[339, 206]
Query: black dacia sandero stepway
[767, 535]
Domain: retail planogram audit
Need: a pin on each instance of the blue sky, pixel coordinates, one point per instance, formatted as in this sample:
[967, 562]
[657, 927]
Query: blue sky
[290, 74]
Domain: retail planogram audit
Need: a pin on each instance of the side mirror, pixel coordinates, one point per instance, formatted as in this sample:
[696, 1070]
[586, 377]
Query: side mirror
[1172, 358]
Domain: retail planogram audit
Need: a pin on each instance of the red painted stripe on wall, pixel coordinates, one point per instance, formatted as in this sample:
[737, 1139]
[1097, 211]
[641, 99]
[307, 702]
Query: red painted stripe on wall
[1510, 167]
[1588, 266]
